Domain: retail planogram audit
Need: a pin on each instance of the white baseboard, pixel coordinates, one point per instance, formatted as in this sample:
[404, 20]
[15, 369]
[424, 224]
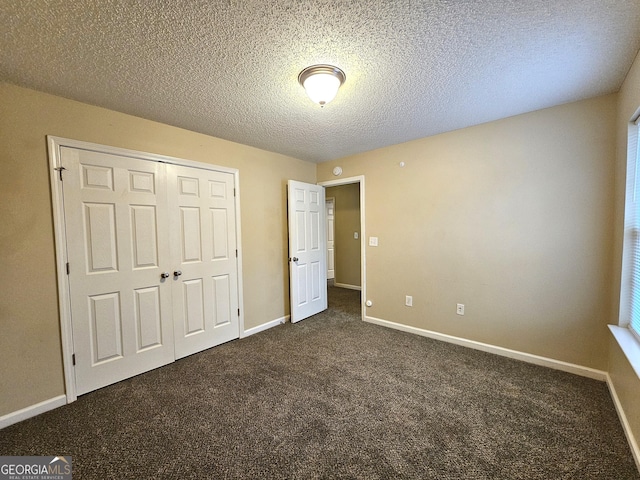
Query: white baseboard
[505, 352]
[266, 326]
[631, 440]
[345, 285]
[32, 411]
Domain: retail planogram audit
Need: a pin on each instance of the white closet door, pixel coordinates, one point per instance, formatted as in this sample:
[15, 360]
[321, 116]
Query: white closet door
[116, 221]
[203, 241]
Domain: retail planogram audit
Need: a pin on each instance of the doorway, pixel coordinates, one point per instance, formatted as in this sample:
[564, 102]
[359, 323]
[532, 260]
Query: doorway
[346, 240]
[354, 257]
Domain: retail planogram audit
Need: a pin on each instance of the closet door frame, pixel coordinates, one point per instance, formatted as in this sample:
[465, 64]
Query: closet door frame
[54, 144]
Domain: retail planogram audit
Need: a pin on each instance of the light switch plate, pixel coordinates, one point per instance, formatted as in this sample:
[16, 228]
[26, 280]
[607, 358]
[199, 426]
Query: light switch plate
[373, 241]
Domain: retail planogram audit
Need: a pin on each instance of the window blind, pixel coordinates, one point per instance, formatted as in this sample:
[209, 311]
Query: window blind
[632, 232]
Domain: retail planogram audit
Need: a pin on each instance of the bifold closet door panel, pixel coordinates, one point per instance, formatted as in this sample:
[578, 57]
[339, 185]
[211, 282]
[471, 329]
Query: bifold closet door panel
[116, 218]
[203, 242]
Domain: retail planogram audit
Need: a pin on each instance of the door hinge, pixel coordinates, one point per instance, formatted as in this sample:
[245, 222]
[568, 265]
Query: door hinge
[238, 312]
[67, 268]
[73, 359]
[60, 170]
[236, 253]
[234, 192]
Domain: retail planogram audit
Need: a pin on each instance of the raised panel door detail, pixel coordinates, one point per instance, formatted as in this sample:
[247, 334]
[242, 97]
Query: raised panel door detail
[222, 300]
[142, 182]
[299, 195]
[148, 320]
[193, 306]
[314, 220]
[100, 237]
[189, 186]
[144, 236]
[331, 259]
[316, 279]
[97, 177]
[217, 189]
[190, 230]
[303, 271]
[314, 198]
[219, 233]
[106, 327]
[301, 231]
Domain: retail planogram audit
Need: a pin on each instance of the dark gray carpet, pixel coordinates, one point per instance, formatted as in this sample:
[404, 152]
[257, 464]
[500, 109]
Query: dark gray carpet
[334, 397]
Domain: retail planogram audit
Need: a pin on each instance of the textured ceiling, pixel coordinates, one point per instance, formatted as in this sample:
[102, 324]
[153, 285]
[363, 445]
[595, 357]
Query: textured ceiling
[229, 68]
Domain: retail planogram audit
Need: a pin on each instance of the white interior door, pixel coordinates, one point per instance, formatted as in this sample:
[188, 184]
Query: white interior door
[152, 261]
[331, 259]
[307, 249]
[205, 276]
[115, 213]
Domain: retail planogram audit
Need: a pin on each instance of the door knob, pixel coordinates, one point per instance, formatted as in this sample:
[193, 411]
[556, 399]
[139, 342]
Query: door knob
[295, 259]
[164, 275]
[177, 273]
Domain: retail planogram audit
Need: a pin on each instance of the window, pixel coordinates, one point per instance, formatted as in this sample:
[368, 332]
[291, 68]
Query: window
[630, 291]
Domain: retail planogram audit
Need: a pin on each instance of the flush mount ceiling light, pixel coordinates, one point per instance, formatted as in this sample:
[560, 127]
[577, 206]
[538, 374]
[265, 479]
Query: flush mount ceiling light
[321, 82]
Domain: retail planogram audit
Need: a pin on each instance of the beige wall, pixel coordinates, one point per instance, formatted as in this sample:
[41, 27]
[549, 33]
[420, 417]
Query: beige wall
[623, 377]
[347, 221]
[30, 352]
[512, 218]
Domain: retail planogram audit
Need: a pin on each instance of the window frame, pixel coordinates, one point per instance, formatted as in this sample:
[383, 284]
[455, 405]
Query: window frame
[630, 274]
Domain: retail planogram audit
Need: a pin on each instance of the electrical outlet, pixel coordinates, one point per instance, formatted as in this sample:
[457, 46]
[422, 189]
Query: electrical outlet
[355, 235]
[373, 241]
[460, 308]
[408, 301]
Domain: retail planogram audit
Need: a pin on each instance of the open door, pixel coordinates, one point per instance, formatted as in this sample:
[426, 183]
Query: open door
[331, 254]
[307, 250]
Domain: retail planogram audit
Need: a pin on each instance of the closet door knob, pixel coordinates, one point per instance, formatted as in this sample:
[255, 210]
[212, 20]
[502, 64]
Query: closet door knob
[164, 275]
[177, 273]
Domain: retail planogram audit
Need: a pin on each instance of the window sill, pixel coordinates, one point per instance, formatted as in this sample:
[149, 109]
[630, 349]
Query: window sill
[629, 345]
